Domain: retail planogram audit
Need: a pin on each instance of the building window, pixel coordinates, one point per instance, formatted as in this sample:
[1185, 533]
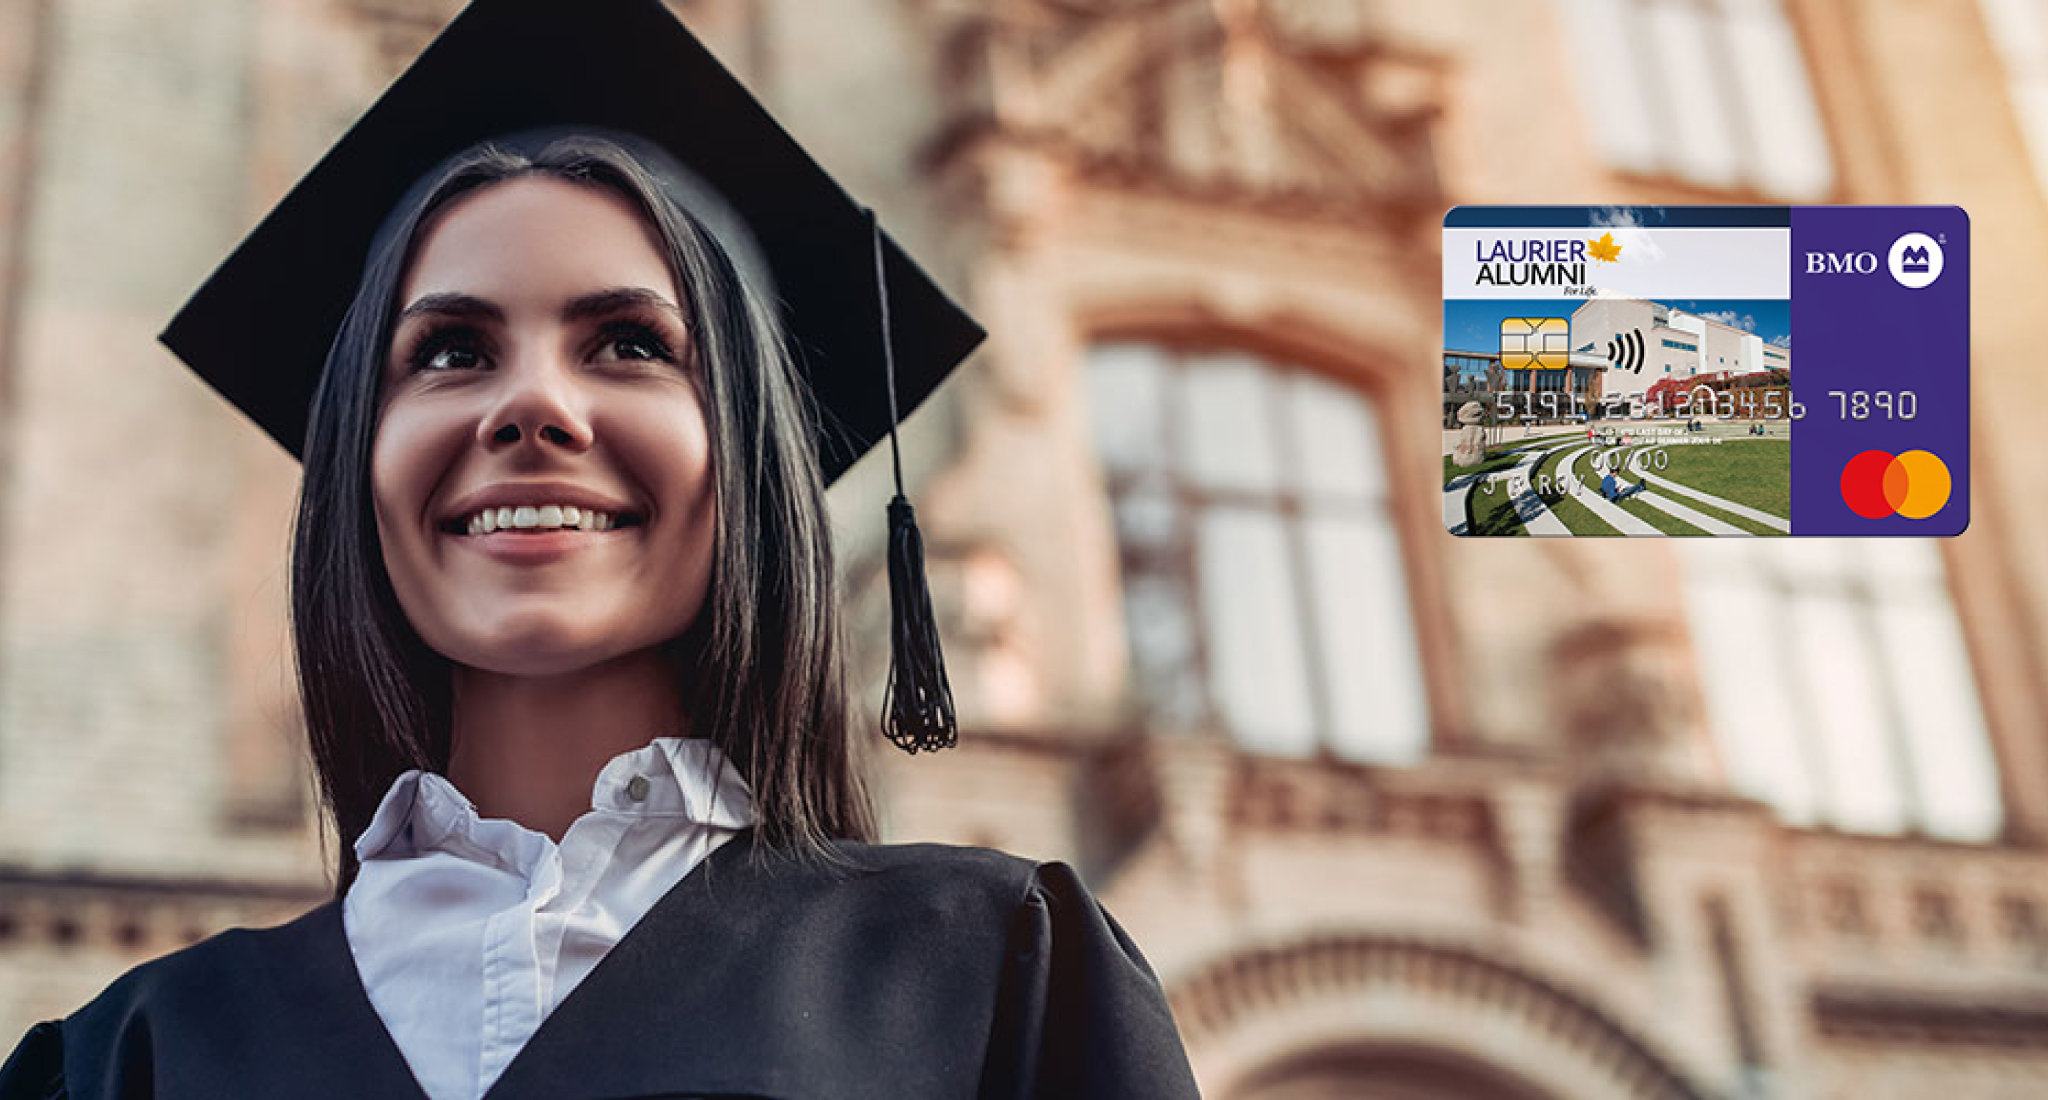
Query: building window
[1714, 92]
[1468, 368]
[1263, 584]
[2019, 28]
[1839, 685]
[1681, 345]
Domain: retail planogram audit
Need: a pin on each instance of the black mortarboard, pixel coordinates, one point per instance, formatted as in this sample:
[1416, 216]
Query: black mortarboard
[629, 67]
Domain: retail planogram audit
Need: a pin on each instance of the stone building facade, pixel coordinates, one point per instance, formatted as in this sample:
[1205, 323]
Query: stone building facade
[1474, 819]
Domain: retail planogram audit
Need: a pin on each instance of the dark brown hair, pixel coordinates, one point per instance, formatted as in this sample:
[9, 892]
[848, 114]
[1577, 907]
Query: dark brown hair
[761, 669]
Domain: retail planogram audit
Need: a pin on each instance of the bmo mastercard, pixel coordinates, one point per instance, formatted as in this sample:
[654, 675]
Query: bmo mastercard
[1706, 370]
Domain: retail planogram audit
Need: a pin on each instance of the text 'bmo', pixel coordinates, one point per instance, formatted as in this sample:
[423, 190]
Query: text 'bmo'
[1841, 263]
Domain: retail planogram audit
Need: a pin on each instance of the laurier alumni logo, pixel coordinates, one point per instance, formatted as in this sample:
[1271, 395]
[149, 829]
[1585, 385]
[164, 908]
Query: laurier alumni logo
[1557, 262]
[1530, 263]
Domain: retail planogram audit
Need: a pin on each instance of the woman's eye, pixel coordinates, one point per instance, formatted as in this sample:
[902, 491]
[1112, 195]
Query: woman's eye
[453, 359]
[439, 351]
[633, 343]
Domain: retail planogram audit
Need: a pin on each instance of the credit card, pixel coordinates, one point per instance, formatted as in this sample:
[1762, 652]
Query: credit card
[1631, 371]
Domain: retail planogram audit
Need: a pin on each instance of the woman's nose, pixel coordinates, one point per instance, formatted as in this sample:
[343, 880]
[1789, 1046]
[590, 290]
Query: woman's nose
[537, 401]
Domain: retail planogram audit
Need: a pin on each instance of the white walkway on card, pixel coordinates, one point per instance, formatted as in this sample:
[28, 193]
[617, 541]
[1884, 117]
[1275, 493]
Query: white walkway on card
[1724, 504]
[1454, 503]
[1700, 520]
[1534, 514]
[1529, 508]
[1615, 517]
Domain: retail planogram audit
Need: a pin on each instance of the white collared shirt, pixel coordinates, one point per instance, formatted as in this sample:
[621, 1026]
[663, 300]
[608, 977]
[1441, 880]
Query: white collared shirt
[468, 931]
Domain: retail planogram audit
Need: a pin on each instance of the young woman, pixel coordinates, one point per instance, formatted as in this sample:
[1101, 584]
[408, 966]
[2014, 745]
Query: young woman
[569, 656]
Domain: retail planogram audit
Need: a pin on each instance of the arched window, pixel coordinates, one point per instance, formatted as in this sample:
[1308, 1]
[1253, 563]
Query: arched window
[1839, 684]
[1263, 586]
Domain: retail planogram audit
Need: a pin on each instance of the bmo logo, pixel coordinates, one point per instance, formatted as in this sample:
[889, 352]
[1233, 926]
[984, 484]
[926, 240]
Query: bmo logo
[1914, 260]
[1841, 263]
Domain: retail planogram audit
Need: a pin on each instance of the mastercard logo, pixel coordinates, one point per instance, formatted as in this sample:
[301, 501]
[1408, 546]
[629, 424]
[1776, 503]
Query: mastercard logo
[1876, 484]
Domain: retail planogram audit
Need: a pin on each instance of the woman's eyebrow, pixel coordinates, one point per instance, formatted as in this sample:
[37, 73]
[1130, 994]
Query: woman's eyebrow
[599, 303]
[618, 300]
[452, 305]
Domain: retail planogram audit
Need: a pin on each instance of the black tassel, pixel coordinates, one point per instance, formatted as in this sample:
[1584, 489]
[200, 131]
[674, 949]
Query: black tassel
[917, 710]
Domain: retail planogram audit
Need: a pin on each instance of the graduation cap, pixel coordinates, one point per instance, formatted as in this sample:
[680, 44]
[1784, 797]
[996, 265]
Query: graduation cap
[611, 67]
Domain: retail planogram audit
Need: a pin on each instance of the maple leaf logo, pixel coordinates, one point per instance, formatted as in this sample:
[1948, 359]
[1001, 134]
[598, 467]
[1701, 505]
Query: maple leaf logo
[1604, 249]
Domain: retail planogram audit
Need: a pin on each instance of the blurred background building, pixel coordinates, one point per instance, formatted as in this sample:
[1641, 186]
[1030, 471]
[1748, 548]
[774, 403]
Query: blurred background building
[1393, 814]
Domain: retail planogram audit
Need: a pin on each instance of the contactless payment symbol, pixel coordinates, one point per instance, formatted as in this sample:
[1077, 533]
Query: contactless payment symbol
[1878, 484]
[1915, 260]
[1535, 343]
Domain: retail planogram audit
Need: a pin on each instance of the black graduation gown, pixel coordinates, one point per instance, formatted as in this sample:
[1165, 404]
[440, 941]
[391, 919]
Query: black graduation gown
[917, 971]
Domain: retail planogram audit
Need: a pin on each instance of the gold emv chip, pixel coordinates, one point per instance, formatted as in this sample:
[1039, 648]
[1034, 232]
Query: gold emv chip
[1535, 343]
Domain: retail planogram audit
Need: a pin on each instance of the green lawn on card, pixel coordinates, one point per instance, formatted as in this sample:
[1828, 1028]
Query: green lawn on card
[1752, 472]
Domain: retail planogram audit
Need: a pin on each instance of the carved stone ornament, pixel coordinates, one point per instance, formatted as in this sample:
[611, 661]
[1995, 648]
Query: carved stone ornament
[1260, 99]
[1471, 448]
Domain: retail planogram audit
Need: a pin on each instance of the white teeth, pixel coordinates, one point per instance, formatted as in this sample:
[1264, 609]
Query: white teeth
[531, 517]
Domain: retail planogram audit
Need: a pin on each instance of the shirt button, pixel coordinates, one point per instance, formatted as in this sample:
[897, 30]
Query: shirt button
[636, 788]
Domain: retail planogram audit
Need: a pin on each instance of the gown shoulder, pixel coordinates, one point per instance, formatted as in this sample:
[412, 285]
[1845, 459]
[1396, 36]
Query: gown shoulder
[114, 1044]
[1078, 1011]
[35, 1071]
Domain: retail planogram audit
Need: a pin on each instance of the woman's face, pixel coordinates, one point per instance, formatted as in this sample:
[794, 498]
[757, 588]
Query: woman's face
[541, 363]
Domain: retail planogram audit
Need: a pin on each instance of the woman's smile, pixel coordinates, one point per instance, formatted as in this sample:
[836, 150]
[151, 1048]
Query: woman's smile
[536, 523]
[546, 517]
[540, 545]
[529, 534]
